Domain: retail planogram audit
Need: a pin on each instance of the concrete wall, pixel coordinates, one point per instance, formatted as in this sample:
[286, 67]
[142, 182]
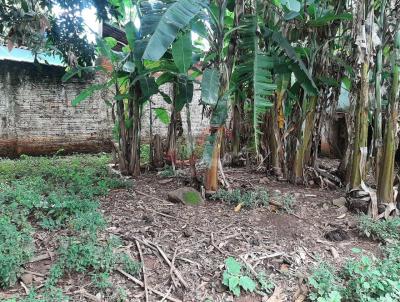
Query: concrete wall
[36, 115]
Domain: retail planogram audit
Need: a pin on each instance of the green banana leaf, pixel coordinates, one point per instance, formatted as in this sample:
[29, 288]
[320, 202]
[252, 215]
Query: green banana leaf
[296, 64]
[210, 87]
[182, 52]
[175, 18]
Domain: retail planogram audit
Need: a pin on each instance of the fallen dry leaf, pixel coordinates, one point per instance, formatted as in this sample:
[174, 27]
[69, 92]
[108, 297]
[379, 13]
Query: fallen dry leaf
[238, 207]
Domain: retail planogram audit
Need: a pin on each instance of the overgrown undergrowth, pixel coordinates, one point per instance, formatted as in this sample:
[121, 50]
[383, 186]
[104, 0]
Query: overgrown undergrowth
[59, 193]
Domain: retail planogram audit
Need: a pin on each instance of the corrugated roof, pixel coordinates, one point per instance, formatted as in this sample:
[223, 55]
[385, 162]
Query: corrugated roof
[25, 55]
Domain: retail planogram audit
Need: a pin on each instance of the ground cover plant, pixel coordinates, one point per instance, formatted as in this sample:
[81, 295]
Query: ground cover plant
[364, 279]
[58, 193]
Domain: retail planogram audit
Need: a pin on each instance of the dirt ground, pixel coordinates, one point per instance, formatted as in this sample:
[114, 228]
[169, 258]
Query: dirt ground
[195, 240]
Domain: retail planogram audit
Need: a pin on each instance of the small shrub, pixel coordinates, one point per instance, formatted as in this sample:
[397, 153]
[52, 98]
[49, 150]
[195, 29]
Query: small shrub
[234, 279]
[266, 284]
[167, 172]
[380, 229]
[101, 281]
[248, 199]
[50, 294]
[324, 284]
[288, 201]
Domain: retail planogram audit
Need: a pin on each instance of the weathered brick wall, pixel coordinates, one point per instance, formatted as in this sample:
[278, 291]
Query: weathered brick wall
[36, 115]
[199, 122]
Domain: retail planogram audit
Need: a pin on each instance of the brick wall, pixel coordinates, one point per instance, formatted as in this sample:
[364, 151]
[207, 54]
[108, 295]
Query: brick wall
[36, 115]
[199, 122]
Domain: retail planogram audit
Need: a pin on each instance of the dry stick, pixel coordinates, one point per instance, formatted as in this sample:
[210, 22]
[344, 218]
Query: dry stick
[40, 258]
[169, 216]
[34, 273]
[167, 294]
[224, 228]
[88, 295]
[130, 277]
[156, 248]
[155, 198]
[249, 266]
[176, 272]
[190, 261]
[172, 266]
[25, 287]
[144, 271]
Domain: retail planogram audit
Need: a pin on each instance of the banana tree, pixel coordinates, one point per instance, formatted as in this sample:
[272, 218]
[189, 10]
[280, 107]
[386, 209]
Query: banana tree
[131, 77]
[214, 94]
[304, 55]
[176, 73]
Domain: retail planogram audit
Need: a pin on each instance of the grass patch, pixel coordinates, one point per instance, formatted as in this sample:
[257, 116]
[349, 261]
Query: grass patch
[54, 193]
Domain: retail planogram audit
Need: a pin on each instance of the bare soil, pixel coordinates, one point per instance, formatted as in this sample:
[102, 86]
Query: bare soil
[197, 239]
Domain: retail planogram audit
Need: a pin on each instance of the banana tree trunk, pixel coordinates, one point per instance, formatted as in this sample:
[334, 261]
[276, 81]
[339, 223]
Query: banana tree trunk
[361, 131]
[378, 142]
[303, 146]
[236, 126]
[192, 158]
[363, 41]
[274, 130]
[134, 162]
[123, 133]
[386, 176]
[172, 132]
[211, 178]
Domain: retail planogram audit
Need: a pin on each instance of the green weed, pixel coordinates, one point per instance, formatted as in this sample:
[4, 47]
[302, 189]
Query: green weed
[235, 279]
[381, 229]
[250, 199]
[367, 279]
[325, 284]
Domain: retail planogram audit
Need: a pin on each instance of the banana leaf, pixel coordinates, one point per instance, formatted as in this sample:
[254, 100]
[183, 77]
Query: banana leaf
[175, 18]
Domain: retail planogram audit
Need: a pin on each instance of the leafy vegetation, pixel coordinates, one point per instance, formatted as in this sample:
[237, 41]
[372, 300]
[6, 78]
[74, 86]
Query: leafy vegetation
[16, 247]
[365, 279]
[236, 279]
[382, 229]
[57, 193]
[245, 197]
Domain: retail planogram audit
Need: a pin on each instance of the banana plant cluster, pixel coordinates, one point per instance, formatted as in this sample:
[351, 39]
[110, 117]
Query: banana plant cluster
[276, 67]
